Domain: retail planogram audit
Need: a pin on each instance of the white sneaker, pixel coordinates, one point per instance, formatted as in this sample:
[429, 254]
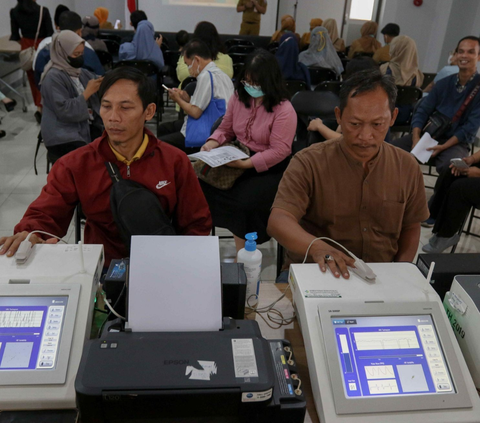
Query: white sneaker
[441, 244]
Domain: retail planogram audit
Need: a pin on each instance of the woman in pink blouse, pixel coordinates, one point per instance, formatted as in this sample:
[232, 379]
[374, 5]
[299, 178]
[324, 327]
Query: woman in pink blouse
[259, 116]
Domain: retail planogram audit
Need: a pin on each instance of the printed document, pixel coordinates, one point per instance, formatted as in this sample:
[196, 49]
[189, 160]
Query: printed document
[420, 150]
[220, 156]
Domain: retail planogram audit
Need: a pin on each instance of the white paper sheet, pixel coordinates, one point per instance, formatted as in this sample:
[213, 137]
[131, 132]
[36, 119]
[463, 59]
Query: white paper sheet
[420, 150]
[220, 156]
[174, 284]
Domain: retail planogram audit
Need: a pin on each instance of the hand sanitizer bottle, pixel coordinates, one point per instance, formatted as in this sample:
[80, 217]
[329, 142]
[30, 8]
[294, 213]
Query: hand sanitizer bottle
[252, 263]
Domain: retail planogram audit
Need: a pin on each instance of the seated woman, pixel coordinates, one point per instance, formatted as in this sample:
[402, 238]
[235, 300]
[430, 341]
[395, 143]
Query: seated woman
[144, 46]
[403, 66]
[331, 26]
[259, 116]
[201, 66]
[207, 32]
[287, 26]
[456, 191]
[101, 13]
[287, 57]
[70, 104]
[90, 30]
[321, 52]
[305, 40]
[367, 44]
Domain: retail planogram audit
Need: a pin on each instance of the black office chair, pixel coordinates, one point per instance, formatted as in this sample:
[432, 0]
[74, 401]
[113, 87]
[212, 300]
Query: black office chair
[318, 75]
[332, 86]
[273, 47]
[238, 57]
[51, 158]
[190, 88]
[149, 69]
[110, 37]
[187, 81]
[406, 96]
[427, 78]
[294, 86]
[241, 49]
[237, 67]
[105, 58]
[112, 46]
[308, 105]
[238, 42]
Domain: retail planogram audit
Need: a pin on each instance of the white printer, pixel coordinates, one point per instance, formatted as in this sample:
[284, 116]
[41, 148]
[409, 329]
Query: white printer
[381, 351]
[46, 311]
[462, 304]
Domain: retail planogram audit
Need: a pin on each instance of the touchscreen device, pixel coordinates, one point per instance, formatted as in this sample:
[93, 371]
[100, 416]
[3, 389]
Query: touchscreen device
[391, 356]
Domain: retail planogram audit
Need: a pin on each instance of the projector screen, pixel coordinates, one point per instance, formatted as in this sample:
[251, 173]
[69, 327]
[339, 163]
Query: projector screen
[174, 15]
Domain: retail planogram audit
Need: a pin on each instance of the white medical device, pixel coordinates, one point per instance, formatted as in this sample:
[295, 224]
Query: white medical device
[381, 351]
[46, 311]
[462, 304]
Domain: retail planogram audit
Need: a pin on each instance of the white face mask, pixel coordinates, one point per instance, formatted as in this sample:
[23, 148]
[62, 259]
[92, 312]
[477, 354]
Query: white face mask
[190, 68]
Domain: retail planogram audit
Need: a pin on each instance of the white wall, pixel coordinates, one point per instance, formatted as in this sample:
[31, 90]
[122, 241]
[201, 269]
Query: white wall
[172, 18]
[426, 24]
[309, 9]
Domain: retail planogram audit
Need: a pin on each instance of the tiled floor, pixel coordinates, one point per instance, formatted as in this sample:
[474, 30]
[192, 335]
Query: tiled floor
[19, 186]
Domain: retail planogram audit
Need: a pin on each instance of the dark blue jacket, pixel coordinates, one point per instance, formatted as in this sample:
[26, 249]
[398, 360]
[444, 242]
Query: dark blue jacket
[91, 62]
[445, 98]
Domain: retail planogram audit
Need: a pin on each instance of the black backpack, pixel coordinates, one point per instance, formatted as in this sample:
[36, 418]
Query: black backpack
[136, 210]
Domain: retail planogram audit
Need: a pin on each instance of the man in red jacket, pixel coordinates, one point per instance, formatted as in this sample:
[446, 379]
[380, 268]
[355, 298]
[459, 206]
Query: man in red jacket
[81, 176]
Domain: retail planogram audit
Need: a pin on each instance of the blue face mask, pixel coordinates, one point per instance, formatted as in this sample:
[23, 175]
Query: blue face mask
[254, 91]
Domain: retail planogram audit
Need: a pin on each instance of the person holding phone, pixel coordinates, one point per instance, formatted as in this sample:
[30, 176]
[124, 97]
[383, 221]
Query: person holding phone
[456, 191]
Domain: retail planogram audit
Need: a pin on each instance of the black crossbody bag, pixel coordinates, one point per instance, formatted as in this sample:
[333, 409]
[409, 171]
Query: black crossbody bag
[136, 210]
[438, 124]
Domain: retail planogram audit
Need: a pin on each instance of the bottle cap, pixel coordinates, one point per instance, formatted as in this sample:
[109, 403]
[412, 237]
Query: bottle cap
[250, 244]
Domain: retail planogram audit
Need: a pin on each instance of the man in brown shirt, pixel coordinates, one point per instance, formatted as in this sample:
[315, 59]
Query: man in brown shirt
[252, 11]
[356, 189]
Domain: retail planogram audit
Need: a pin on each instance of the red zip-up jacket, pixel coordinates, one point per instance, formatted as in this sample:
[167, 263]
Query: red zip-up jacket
[81, 177]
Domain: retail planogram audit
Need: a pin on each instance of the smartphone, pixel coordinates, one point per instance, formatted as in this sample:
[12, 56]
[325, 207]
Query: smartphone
[164, 86]
[459, 163]
[117, 23]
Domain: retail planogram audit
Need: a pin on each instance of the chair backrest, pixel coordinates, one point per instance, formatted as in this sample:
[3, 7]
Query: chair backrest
[237, 67]
[273, 46]
[171, 58]
[105, 57]
[244, 49]
[146, 66]
[427, 78]
[332, 86]
[238, 42]
[315, 103]
[294, 86]
[190, 88]
[112, 46]
[111, 37]
[318, 74]
[238, 57]
[408, 95]
[216, 124]
[187, 81]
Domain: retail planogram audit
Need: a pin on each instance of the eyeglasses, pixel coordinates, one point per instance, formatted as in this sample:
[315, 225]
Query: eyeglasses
[244, 83]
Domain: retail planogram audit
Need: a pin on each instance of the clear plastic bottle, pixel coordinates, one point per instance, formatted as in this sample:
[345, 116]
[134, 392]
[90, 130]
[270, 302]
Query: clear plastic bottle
[251, 258]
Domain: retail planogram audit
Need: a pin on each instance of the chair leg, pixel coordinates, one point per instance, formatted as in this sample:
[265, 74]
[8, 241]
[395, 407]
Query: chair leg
[469, 227]
[39, 141]
[280, 256]
[460, 231]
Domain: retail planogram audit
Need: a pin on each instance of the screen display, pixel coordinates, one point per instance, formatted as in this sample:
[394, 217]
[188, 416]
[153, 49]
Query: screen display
[391, 356]
[30, 331]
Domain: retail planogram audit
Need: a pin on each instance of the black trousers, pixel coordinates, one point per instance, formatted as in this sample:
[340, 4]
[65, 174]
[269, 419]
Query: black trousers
[452, 200]
[442, 161]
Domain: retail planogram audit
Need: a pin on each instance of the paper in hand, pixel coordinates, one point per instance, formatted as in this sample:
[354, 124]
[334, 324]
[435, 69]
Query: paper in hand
[219, 156]
[420, 150]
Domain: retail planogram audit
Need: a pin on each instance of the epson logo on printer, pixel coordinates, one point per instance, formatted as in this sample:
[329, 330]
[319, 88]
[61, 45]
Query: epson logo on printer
[175, 362]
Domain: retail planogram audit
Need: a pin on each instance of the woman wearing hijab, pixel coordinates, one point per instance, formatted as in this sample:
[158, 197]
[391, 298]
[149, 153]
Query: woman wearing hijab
[143, 46]
[305, 40]
[24, 19]
[321, 52]
[367, 43]
[403, 66]
[287, 58]
[331, 26]
[101, 13]
[287, 26]
[90, 30]
[70, 104]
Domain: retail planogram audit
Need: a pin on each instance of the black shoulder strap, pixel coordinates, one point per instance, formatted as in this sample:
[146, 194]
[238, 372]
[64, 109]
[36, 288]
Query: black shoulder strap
[113, 171]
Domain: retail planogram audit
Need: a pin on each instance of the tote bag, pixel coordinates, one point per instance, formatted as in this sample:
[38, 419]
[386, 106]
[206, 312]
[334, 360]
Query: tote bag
[26, 56]
[198, 130]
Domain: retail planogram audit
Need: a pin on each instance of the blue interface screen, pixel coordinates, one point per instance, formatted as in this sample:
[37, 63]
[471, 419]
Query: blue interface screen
[384, 356]
[30, 332]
